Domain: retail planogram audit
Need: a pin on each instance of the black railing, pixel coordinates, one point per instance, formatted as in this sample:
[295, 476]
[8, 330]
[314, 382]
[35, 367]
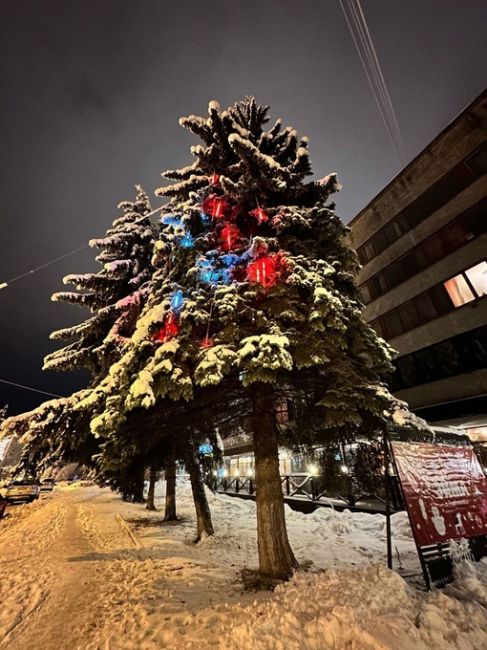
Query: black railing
[236, 484]
[306, 487]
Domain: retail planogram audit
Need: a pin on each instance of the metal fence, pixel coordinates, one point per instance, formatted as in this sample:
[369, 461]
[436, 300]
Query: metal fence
[304, 487]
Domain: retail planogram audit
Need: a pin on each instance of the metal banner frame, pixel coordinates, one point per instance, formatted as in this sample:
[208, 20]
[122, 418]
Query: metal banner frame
[435, 555]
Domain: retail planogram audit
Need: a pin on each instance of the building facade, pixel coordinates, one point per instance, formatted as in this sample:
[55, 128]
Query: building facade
[422, 242]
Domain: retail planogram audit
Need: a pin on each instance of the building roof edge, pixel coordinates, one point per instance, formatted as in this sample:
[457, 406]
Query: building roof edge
[448, 127]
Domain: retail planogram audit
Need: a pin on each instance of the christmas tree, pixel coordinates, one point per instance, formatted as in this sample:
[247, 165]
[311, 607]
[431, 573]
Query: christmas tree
[255, 298]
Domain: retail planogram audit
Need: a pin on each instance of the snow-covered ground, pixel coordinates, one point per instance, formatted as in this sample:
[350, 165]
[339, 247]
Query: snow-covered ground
[71, 577]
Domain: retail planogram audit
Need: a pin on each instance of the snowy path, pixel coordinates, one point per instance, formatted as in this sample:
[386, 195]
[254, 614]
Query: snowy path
[51, 575]
[71, 578]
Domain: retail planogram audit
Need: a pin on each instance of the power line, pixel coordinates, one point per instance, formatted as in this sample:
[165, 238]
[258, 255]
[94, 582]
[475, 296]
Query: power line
[42, 266]
[3, 285]
[34, 390]
[364, 45]
[374, 62]
[362, 41]
[365, 53]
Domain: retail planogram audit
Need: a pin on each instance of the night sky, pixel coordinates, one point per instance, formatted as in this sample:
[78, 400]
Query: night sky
[91, 92]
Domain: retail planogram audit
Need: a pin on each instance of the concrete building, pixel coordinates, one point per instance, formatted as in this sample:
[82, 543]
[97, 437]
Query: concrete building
[423, 245]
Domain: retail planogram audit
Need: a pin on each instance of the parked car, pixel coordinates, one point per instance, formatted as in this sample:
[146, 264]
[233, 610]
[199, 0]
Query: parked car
[3, 505]
[23, 490]
[47, 484]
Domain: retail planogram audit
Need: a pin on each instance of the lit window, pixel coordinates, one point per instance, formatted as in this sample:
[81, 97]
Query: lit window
[478, 278]
[458, 290]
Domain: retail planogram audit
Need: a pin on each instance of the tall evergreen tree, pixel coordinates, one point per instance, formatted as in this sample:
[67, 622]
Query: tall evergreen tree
[115, 295]
[258, 296]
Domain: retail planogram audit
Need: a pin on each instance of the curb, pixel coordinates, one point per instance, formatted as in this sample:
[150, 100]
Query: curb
[128, 530]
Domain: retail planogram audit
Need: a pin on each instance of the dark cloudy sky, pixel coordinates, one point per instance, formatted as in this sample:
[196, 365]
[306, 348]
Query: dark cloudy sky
[91, 92]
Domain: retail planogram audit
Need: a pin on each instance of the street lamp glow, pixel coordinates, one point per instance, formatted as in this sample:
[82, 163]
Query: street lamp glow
[312, 468]
[343, 469]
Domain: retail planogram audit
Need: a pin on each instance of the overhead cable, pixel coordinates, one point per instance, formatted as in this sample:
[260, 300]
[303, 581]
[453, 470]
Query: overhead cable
[362, 39]
[3, 285]
[35, 390]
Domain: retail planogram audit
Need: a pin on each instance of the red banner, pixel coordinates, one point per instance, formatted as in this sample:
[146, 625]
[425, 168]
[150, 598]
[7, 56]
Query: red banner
[445, 490]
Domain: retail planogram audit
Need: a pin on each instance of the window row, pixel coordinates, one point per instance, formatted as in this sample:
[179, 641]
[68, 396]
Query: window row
[437, 301]
[455, 356]
[439, 194]
[454, 235]
[469, 285]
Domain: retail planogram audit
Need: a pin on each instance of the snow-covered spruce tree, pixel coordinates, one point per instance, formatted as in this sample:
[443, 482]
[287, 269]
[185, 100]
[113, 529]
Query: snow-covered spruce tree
[53, 432]
[56, 430]
[259, 292]
[115, 295]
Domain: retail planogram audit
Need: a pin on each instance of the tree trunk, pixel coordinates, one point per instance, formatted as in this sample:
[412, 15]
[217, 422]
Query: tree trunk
[152, 488]
[138, 485]
[170, 509]
[203, 515]
[276, 559]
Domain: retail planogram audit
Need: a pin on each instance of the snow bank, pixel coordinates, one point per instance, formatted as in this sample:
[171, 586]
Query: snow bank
[349, 599]
[80, 484]
[363, 608]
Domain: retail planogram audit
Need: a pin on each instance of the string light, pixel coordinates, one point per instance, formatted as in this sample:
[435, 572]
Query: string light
[230, 237]
[177, 301]
[214, 179]
[207, 342]
[216, 206]
[260, 214]
[267, 269]
[168, 331]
